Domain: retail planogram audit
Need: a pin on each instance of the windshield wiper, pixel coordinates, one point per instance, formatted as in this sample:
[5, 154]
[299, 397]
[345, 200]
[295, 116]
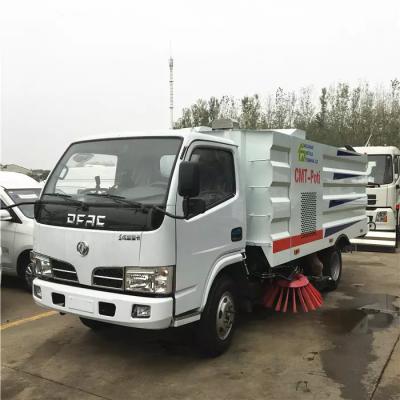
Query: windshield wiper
[67, 196]
[64, 196]
[120, 199]
[40, 201]
[136, 204]
[373, 185]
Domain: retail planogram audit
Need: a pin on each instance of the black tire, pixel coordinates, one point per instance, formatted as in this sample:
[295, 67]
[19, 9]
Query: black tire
[94, 324]
[214, 332]
[332, 261]
[25, 271]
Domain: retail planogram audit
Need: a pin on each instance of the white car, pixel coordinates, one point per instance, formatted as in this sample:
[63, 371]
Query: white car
[17, 224]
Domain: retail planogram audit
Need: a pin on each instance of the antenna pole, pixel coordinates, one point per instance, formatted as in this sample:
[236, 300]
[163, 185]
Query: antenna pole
[171, 91]
[369, 139]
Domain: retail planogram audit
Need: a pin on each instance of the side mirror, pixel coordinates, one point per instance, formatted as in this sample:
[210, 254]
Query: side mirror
[189, 179]
[5, 215]
[192, 207]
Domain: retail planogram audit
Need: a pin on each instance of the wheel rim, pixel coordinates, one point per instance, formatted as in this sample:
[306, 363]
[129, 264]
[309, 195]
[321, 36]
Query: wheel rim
[225, 315]
[29, 274]
[335, 266]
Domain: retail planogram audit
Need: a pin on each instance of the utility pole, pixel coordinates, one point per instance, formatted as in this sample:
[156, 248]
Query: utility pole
[171, 91]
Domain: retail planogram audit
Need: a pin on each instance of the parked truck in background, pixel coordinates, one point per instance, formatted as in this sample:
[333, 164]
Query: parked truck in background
[186, 226]
[383, 191]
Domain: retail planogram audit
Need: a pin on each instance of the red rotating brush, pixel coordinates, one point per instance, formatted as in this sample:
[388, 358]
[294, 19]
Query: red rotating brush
[283, 294]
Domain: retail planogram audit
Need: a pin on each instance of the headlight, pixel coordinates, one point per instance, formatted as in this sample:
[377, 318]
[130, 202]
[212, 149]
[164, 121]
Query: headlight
[381, 216]
[149, 280]
[42, 264]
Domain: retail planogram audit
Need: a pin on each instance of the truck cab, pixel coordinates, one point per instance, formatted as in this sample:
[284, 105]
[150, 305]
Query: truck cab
[383, 191]
[105, 248]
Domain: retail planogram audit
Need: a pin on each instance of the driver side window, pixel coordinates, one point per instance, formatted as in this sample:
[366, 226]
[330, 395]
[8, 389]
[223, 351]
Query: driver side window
[217, 175]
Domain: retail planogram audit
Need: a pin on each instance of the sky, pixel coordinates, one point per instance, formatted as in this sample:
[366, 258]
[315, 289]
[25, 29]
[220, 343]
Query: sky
[74, 68]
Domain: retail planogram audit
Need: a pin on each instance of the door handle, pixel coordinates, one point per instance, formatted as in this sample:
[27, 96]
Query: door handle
[237, 234]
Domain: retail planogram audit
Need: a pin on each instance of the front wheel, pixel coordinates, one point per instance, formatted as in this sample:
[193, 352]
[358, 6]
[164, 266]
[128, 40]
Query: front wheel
[217, 324]
[332, 262]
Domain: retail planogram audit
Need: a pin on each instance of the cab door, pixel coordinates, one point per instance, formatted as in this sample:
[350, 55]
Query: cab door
[7, 238]
[205, 238]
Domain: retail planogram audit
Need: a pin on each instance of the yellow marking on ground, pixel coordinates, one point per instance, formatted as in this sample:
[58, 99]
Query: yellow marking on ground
[21, 321]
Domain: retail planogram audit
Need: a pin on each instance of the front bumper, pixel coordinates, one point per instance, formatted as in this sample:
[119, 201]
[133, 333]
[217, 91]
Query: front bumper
[85, 303]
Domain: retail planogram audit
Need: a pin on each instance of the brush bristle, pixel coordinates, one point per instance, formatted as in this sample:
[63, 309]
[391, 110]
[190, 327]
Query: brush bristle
[292, 295]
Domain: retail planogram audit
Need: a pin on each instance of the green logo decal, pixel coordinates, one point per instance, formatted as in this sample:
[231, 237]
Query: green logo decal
[301, 152]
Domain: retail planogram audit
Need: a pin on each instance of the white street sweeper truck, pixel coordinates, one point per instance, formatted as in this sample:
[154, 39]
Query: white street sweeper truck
[188, 226]
[383, 192]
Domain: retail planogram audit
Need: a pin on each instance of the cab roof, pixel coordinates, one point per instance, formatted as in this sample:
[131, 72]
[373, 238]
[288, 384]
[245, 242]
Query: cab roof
[188, 134]
[15, 180]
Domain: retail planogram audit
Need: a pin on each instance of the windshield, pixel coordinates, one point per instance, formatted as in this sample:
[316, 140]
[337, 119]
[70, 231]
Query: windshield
[383, 171]
[24, 196]
[110, 178]
[137, 169]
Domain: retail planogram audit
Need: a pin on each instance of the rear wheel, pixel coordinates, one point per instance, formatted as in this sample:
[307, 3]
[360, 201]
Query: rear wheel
[217, 324]
[94, 324]
[332, 261]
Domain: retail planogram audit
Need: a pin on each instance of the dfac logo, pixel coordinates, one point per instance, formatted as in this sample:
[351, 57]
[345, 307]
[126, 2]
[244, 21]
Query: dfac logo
[301, 152]
[82, 248]
[86, 220]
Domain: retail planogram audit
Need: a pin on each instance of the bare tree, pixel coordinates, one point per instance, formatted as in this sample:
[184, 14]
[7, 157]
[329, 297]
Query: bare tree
[343, 115]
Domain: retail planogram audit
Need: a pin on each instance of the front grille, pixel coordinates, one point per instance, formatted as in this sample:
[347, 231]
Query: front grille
[63, 271]
[108, 277]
